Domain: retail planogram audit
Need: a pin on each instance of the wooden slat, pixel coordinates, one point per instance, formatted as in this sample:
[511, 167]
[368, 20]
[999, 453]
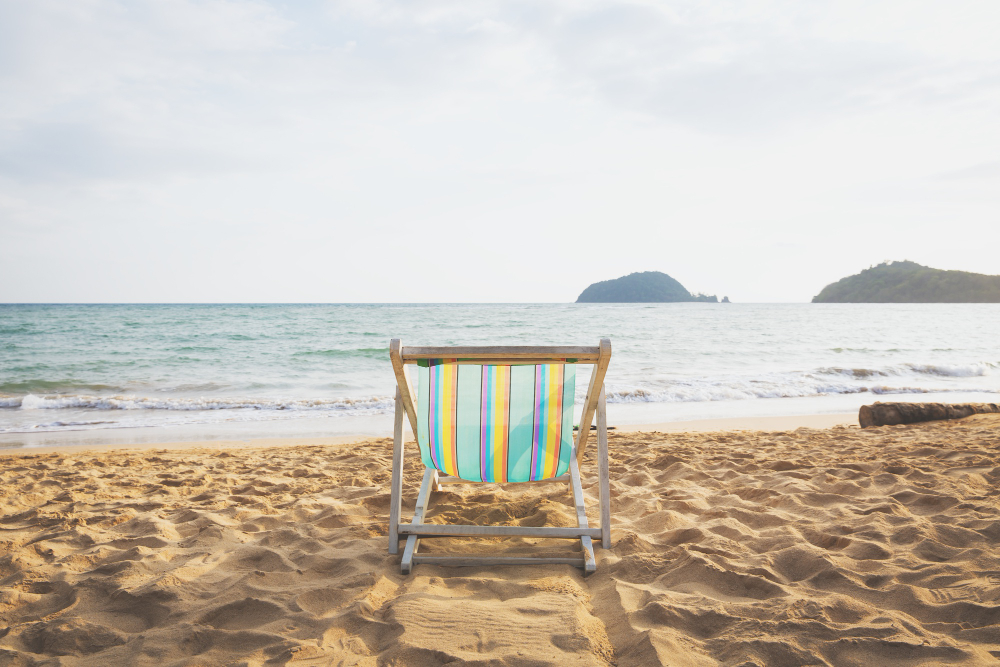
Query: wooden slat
[578, 503]
[396, 485]
[406, 564]
[590, 403]
[426, 484]
[524, 361]
[583, 354]
[589, 561]
[453, 530]
[472, 561]
[587, 544]
[403, 382]
[603, 484]
[418, 517]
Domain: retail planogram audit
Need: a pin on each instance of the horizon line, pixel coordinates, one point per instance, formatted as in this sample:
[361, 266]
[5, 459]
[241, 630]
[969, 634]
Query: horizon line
[367, 303]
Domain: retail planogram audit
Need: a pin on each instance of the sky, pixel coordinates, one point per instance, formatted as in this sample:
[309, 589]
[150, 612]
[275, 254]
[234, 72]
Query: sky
[466, 151]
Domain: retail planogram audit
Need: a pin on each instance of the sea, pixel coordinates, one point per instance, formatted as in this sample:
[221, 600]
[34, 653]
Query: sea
[89, 374]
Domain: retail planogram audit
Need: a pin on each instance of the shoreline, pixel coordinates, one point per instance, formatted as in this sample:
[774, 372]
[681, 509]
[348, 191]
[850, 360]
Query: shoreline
[783, 413]
[781, 423]
[776, 423]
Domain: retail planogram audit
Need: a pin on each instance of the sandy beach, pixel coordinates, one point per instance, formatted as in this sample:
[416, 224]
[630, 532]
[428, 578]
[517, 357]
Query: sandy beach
[811, 546]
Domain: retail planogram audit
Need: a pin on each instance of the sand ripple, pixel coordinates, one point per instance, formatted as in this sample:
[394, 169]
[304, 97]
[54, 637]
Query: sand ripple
[812, 547]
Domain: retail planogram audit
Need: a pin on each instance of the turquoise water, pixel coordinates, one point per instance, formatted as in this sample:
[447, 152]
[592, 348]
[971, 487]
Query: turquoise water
[105, 367]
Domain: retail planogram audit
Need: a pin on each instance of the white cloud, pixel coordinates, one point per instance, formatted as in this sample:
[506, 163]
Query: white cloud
[253, 151]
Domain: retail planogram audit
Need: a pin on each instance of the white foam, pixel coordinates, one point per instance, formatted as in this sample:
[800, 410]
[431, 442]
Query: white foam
[57, 424]
[958, 370]
[377, 404]
[978, 369]
[775, 386]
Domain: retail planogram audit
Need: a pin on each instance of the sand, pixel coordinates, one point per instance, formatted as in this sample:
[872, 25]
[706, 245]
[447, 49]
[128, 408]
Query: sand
[778, 423]
[807, 547]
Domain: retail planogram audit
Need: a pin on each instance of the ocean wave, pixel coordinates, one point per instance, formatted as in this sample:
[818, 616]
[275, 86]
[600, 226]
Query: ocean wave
[955, 370]
[373, 404]
[38, 386]
[977, 369]
[740, 390]
[66, 424]
[858, 373]
[369, 352]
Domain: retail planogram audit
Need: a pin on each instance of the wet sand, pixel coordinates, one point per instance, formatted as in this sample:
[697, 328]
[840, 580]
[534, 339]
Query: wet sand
[811, 546]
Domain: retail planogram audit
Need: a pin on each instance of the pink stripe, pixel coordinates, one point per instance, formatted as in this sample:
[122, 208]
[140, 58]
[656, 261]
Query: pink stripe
[535, 434]
[432, 373]
[484, 439]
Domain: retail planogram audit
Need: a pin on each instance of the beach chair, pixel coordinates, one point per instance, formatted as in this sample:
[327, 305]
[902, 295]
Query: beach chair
[498, 415]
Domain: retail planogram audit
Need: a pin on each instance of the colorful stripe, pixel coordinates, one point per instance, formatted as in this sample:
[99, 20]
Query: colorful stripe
[516, 421]
[545, 442]
[494, 419]
[443, 418]
[553, 433]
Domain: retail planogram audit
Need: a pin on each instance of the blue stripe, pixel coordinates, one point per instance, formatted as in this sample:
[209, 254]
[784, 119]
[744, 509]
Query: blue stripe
[438, 416]
[540, 420]
[488, 420]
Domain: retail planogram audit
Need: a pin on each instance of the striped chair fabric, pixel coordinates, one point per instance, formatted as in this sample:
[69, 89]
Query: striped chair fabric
[486, 423]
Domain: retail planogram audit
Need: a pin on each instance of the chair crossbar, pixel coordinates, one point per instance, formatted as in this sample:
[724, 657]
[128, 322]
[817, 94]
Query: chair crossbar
[497, 560]
[579, 354]
[458, 530]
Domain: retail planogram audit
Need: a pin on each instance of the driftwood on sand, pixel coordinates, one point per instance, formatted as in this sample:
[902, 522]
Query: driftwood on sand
[888, 414]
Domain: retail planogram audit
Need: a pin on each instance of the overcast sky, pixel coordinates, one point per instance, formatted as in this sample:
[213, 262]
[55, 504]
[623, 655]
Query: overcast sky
[208, 151]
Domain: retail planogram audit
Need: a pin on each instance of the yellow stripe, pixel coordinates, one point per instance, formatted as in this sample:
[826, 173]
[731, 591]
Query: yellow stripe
[499, 422]
[554, 390]
[454, 415]
[446, 434]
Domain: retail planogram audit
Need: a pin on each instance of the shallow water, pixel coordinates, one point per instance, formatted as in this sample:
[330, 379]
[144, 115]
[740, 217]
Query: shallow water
[285, 369]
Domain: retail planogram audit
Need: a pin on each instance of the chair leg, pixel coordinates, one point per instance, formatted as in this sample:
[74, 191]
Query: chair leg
[586, 543]
[412, 542]
[603, 484]
[406, 564]
[396, 493]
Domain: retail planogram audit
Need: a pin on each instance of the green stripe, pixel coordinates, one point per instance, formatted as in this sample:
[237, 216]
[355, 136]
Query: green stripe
[423, 431]
[566, 441]
[470, 389]
[522, 422]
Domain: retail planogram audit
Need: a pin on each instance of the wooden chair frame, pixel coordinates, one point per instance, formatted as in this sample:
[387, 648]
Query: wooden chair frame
[416, 529]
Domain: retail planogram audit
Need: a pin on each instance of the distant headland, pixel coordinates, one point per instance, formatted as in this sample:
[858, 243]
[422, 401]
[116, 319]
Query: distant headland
[909, 282]
[645, 287]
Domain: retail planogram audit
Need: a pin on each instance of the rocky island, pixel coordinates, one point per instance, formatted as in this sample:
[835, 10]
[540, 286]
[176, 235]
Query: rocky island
[645, 287]
[909, 282]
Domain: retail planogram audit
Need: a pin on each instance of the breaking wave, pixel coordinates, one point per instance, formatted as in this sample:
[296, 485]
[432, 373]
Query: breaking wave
[373, 404]
[369, 352]
[959, 370]
[902, 379]
[744, 390]
[978, 369]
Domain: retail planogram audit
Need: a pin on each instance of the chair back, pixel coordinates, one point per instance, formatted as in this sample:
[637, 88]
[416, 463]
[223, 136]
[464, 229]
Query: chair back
[498, 413]
[495, 423]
